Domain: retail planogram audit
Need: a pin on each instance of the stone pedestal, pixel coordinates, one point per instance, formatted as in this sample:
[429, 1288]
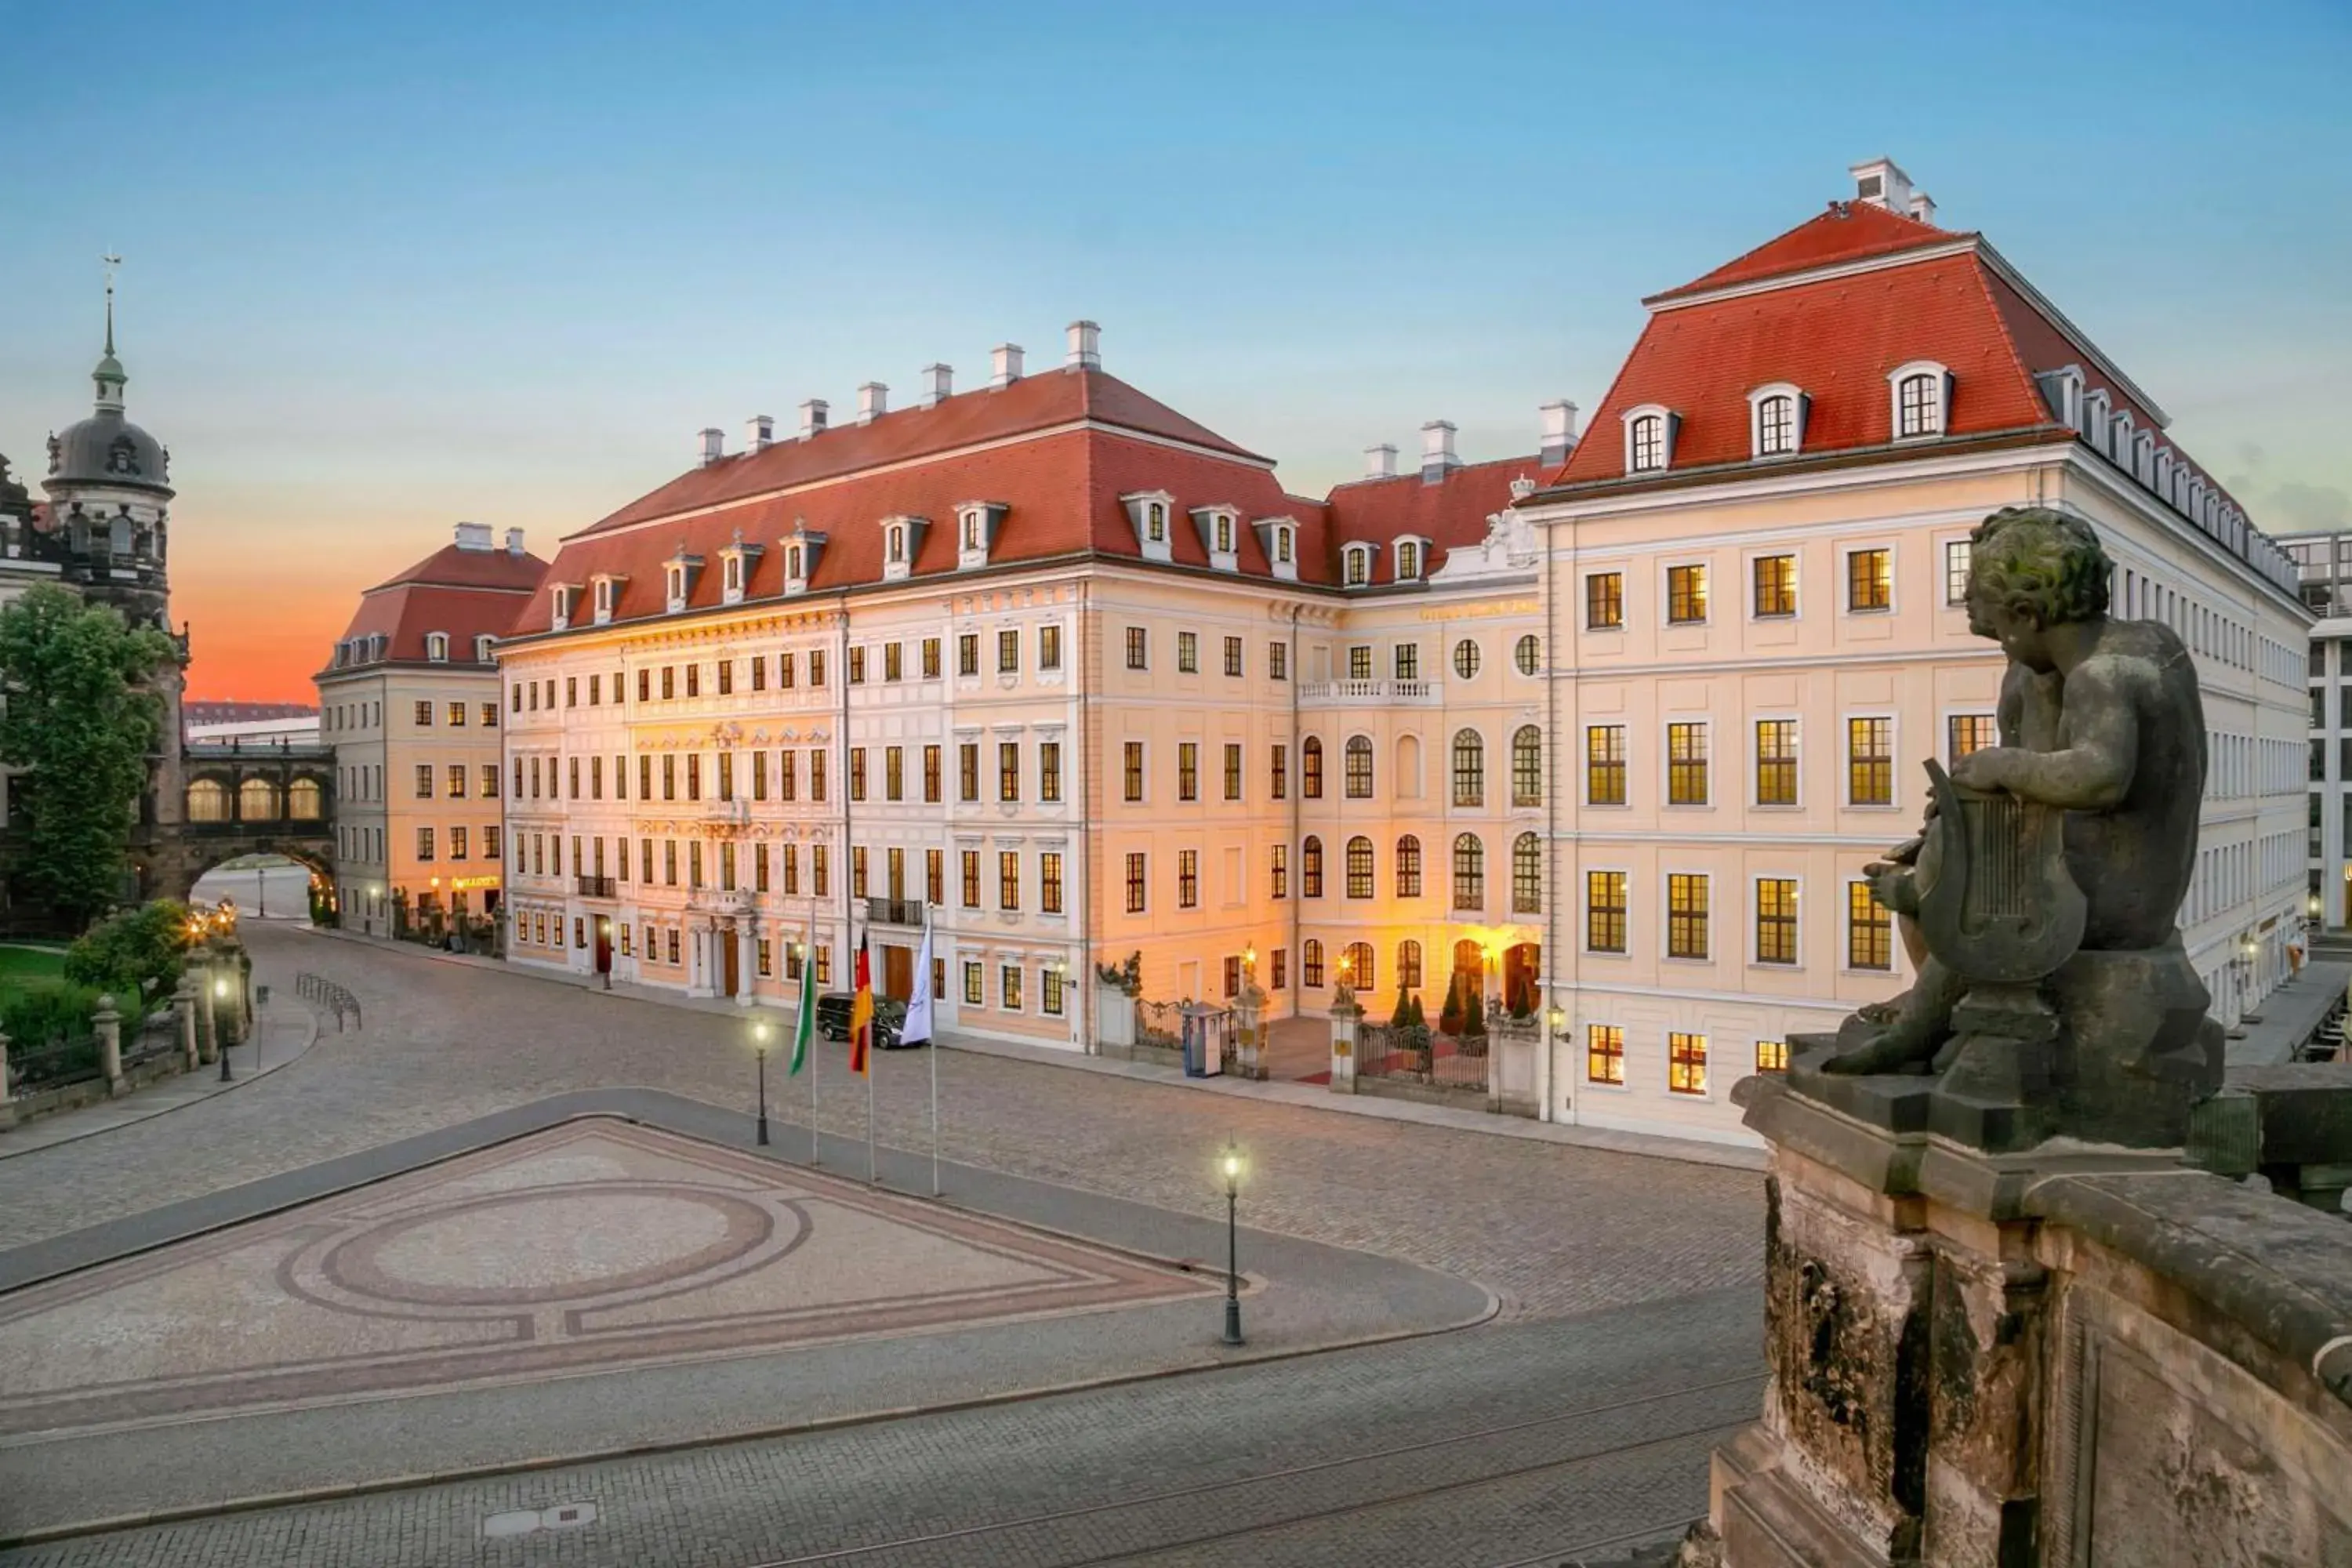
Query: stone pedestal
[107, 1024]
[184, 1005]
[1345, 1018]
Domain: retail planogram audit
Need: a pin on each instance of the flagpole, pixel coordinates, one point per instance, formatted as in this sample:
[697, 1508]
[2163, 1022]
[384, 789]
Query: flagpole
[931, 1045]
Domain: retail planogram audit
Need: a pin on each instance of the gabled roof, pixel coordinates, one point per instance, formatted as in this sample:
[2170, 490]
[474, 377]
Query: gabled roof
[1032, 403]
[1847, 231]
[455, 567]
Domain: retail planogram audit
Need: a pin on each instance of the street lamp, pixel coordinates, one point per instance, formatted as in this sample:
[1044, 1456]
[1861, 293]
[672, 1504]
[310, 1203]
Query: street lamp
[604, 955]
[1230, 1167]
[220, 996]
[760, 1048]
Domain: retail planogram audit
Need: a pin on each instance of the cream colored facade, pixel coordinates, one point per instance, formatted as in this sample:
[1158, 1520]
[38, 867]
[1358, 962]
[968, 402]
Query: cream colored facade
[1838, 672]
[417, 795]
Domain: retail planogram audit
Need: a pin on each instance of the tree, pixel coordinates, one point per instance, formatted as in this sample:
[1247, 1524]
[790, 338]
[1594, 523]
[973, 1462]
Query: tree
[140, 951]
[1449, 1016]
[80, 724]
[1473, 1017]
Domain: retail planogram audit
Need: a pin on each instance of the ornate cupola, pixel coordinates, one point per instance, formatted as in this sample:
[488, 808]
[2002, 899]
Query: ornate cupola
[107, 484]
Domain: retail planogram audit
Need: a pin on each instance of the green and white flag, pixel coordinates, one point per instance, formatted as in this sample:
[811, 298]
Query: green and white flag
[806, 1024]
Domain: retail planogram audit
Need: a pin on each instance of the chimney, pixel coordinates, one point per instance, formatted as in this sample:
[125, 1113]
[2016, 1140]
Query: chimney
[714, 445]
[514, 541]
[873, 402]
[759, 433]
[941, 384]
[1007, 359]
[1882, 185]
[1558, 432]
[812, 417]
[1086, 347]
[473, 536]
[1437, 450]
[1922, 206]
[1380, 462]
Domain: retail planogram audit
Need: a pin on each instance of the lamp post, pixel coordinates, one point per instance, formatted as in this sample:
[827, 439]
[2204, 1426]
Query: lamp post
[1231, 1166]
[760, 1049]
[604, 959]
[220, 995]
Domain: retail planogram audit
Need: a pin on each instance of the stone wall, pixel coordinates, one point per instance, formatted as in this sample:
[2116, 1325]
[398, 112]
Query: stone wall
[2083, 1356]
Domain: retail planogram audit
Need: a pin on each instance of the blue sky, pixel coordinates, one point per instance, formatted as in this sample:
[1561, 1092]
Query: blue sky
[388, 266]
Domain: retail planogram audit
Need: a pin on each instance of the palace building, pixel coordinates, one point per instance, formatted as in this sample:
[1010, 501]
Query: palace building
[409, 702]
[1754, 569]
[1609, 729]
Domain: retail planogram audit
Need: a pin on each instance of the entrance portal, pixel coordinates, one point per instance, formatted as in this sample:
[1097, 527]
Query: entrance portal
[1519, 965]
[897, 971]
[729, 958]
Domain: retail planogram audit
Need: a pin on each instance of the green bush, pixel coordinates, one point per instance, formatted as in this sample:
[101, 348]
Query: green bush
[1449, 1016]
[136, 954]
[43, 1014]
[1474, 1017]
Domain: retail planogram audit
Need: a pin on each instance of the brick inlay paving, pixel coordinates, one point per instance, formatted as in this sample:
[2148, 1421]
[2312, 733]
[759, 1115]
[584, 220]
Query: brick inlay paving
[596, 1246]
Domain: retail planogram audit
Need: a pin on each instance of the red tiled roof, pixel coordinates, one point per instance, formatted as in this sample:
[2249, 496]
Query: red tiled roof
[1848, 231]
[465, 593]
[1451, 514]
[1836, 339]
[1031, 404]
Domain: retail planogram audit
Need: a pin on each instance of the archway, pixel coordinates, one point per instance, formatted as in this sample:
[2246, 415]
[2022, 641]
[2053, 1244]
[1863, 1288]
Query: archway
[1521, 963]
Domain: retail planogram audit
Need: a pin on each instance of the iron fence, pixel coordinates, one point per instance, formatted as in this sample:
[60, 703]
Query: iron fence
[1415, 1054]
[157, 1036]
[75, 1059]
[1159, 1023]
[328, 997]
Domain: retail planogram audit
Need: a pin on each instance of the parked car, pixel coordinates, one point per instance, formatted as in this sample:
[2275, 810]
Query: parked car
[832, 1018]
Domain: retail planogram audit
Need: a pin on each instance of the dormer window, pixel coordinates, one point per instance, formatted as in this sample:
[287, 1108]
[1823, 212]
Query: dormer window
[1776, 421]
[1220, 531]
[736, 562]
[803, 552]
[893, 544]
[1650, 439]
[436, 646]
[2143, 457]
[1279, 537]
[2097, 420]
[482, 648]
[1285, 547]
[796, 562]
[1148, 512]
[1225, 535]
[1923, 393]
[674, 586]
[2063, 390]
[1408, 559]
[559, 613]
[902, 540]
[977, 525]
[1356, 566]
[605, 595]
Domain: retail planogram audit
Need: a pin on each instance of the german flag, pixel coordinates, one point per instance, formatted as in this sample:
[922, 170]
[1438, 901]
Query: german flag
[861, 1014]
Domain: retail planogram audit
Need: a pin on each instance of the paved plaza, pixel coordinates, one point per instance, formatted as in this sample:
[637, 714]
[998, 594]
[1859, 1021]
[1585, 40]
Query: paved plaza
[515, 1221]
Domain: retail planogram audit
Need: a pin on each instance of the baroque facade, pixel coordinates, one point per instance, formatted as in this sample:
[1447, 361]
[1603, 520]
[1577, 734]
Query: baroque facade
[409, 703]
[1611, 728]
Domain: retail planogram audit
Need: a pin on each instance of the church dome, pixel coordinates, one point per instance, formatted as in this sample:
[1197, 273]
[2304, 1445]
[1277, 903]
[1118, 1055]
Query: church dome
[108, 449]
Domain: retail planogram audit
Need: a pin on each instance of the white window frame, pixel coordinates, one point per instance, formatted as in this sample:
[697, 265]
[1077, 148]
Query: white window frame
[1755, 942]
[1356, 566]
[1667, 420]
[1666, 801]
[1584, 910]
[483, 642]
[605, 594]
[674, 585]
[1419, 569]
[1846, 553]
[1797, 407]
[559, 607]
[1665, 929]
[1756, 759]
[1941, 383]
[1894, 753]
[436, 647]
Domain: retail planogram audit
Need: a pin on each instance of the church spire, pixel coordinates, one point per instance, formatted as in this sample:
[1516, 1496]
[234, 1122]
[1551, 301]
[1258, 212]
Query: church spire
[110, 374]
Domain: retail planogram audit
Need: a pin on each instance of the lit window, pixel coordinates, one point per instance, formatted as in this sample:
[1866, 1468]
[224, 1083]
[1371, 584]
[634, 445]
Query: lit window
[1771, 1056]
[1526, 766]
[1686, 780]
[1687, 916]
[1604, 765]
[1686, 1063]
[1957, 556]
[1870, 761]
[1776, 585]
[1604, 1053]
[1527, 875]
[1310, 768]
[1408, 868]
[1359, 566]
[1869, 580]
[1869, 934]
[1359, 767]
[1469, 872]
[1685, 594]
[1776, 919]
[1409, 965]
[1310, 868]
[1469, 768]
[1604, 601]
[1967, 733]
[1776, 762]
[1359, 868]
[1310, 964]
[1408, 560]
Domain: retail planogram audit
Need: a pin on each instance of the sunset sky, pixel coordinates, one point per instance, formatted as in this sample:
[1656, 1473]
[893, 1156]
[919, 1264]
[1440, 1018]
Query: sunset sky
[388, 267]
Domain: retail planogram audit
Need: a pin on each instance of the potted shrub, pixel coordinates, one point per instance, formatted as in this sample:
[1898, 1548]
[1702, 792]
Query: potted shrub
[1450, 1016]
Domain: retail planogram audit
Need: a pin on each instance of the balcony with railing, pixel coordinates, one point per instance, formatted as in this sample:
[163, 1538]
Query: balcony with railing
[883, 911]
[595, 887]
[1351, 693]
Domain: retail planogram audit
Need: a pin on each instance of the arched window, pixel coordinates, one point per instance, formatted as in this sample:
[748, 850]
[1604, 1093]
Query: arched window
[1409, 965]
[1526, 766]
[1310, 867]
[257, 801]
[1155, 522]
[1920, 391]
[1282, 546]
[1469, 768]
[1776, 424]
[1310, 964]
[1528, 654]
[1359, 767]
[1647, 443]
[1358, 570]
[1469, 960]
[1527, 875]
[436, 646]
[304, 800]
[207, 801]
[1465, 659]
[1408, 868]
[1310, 768]
[1408, 560]
[1359, 868]
[1356, 966]
[1408, 767]
[898, 542]
[1469, 872]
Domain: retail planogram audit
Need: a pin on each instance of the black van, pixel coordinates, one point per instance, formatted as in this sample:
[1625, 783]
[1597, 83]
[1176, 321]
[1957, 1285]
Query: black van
[832, 1018]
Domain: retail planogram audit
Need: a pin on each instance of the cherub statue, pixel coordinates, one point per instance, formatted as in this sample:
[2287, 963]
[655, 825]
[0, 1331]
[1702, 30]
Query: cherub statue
[2099, 718]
